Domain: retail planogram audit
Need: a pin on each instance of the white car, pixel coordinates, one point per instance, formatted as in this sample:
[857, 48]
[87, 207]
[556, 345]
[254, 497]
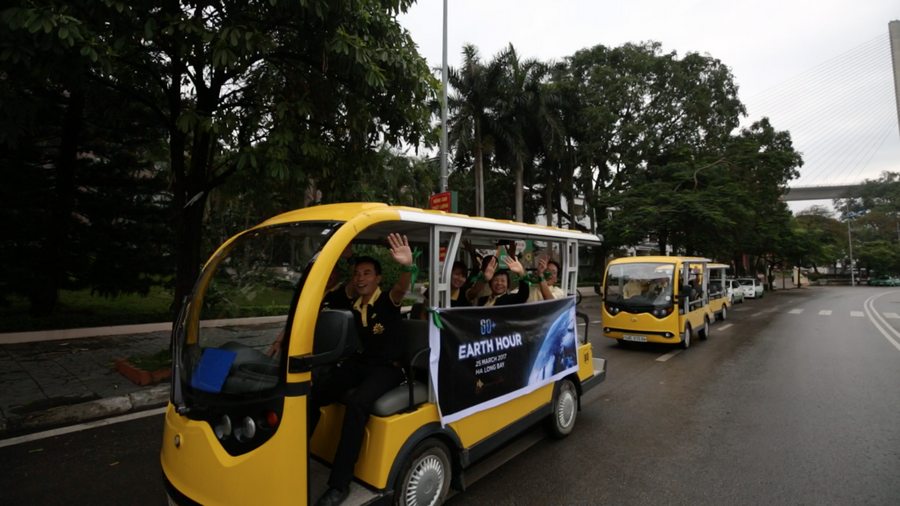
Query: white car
[752, 287]
[735, 291]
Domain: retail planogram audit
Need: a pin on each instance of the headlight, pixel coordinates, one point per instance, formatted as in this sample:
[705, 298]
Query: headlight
[223, 428]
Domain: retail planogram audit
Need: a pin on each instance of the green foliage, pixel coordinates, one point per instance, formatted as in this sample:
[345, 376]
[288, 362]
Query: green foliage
[79, 308]
[161, 359]
[875, 223]
[308, 91]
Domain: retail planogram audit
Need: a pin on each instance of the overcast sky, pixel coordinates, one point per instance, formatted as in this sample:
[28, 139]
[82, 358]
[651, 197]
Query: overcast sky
[818, 69]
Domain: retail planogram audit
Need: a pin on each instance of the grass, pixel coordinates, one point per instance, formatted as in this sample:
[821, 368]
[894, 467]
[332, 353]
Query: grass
[81, 309]
[152, 362]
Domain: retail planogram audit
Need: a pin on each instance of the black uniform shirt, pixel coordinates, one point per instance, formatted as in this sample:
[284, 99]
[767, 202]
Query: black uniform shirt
[378, 325]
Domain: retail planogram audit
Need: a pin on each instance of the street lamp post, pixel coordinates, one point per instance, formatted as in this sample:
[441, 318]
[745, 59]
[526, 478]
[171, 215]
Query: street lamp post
[850, 244]
[443, 176]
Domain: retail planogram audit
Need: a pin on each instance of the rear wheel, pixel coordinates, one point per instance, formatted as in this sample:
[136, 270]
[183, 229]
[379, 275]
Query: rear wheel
[425, 479]
[724, 315]
[565, 410]
[704, 332]
[686, 336]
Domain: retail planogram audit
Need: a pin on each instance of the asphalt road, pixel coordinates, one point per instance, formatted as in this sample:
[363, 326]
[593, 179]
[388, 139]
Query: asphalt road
[793, 400]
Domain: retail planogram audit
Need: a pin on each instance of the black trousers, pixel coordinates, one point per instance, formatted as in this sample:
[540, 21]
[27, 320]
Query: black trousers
[366, 383]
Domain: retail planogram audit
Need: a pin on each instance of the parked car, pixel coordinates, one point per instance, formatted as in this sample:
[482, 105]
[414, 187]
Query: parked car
[884, 281]
[735, 292]
[752, 287]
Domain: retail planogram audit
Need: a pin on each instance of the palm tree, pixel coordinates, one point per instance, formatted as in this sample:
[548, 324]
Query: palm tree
[526, 123]
[471, 109]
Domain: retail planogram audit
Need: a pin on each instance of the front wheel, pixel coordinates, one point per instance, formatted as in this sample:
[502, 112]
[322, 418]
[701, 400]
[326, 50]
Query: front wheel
[724, 315]
[686, 336]
[425, 479]
[565, 410]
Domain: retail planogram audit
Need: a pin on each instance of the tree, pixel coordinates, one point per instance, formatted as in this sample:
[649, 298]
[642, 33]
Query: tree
[875, 220]
[318, 85]
[820, 238]
[472, 106]
[82, 186]
[523, 118]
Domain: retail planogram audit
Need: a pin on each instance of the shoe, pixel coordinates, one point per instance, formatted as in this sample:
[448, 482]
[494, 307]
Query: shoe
[332, 497]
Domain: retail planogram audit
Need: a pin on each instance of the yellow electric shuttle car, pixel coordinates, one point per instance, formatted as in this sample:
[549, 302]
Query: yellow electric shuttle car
[656, 299]
[256, 334]
[718, 291]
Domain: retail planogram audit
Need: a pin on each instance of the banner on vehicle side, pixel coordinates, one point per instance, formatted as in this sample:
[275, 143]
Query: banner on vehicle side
[484, 356]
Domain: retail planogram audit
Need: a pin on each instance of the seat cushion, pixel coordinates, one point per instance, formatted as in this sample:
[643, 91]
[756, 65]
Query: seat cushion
[397, 399]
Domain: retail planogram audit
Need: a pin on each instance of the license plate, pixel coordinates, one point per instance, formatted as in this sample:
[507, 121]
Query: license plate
[636, 339]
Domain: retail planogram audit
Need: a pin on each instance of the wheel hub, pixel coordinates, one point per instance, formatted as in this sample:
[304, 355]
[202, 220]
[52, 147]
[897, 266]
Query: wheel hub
[425, 482]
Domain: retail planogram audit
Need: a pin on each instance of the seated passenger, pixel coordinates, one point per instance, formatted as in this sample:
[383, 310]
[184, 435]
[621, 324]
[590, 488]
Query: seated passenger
[548, 275]
[459, 285]
[370, 372]
[632, 288]
[499, 283]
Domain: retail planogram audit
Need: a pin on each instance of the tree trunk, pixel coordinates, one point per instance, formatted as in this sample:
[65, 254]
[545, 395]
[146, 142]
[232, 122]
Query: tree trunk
[479, 173]
[45, 292]
[520, 187]
[548, 199]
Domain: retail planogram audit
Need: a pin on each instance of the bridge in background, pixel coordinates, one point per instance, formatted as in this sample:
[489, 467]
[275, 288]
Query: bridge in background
[822, 192]
[835, 158]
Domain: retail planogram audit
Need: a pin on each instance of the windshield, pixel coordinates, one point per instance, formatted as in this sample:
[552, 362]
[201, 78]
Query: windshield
[639, 285]
[244, 309]
[746, 282]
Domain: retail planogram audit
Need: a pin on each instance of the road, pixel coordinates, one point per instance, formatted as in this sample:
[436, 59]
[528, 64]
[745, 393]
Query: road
[793, 400]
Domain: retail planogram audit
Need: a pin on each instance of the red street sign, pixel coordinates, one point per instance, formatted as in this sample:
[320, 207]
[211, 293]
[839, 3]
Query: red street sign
[445, 201]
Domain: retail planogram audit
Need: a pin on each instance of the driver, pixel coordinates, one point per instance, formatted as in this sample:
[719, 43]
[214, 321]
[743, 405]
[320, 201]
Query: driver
[370, 372]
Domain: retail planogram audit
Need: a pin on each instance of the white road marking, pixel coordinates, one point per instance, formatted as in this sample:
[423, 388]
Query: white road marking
[669, 355]
[893, 316]
[796, 311]
[857, 314]
[754, 315]
[80, 427]
[879, 322]
[825, 312]
[723, 327]
[597, 321]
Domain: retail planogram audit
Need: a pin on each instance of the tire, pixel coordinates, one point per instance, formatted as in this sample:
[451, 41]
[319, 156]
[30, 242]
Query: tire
[425, 479]
[686, 336]
[565, 410]
[703, 333]
[724, 315]
[577, 297]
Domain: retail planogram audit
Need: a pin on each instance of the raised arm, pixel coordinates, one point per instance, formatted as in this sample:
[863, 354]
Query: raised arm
[543, 285]
[402, 254]
[485, 277]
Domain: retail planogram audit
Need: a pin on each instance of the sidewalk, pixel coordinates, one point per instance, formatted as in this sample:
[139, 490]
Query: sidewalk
[55, 378]
[46, 384]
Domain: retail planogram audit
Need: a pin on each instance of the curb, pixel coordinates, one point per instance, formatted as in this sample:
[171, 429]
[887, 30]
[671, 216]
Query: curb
[120, 330]
[76, 413]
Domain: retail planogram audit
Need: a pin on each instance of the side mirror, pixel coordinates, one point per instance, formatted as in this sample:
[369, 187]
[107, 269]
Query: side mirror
[335, 337]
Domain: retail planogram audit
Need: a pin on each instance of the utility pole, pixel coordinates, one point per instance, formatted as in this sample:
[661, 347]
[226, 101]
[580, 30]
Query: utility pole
[850, 244]
[443, 176]
[894, 31]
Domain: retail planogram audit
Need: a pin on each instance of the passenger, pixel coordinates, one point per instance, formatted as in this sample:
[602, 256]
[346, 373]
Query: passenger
[459, 285]
[369, 373]
[499, 283]
[632, 288]
[548, 275]
[660, 291]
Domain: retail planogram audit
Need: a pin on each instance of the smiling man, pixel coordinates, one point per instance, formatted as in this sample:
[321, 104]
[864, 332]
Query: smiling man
[370, 372]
